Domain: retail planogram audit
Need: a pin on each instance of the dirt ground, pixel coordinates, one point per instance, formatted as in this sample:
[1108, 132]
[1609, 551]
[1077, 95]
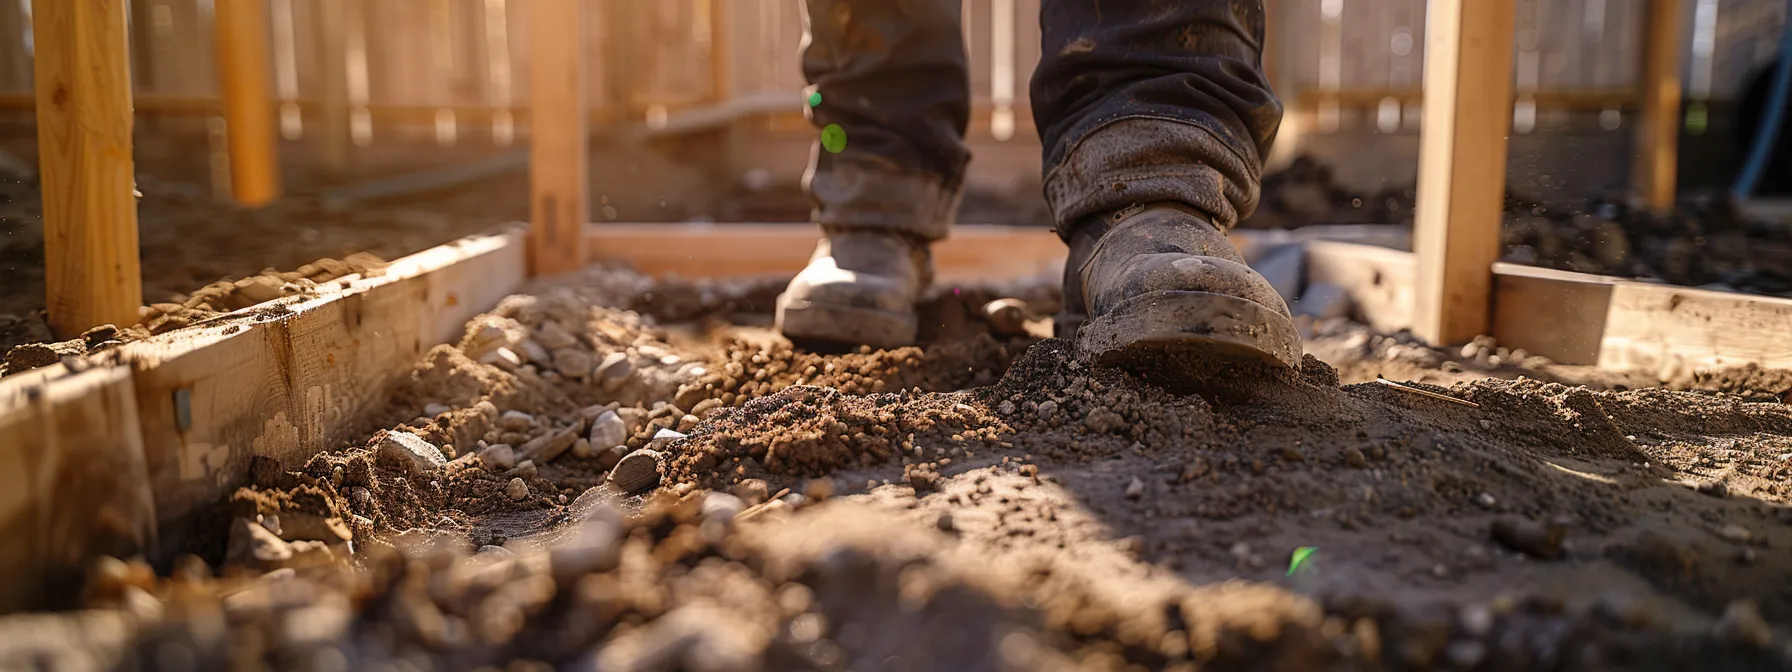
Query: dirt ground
[983, 501]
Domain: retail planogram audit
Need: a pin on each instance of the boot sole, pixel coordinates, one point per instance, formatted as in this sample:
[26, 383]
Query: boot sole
[804, 321]
[1169, 327]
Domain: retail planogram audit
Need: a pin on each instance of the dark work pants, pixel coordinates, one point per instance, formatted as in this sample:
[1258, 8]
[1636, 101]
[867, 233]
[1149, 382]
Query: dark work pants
[1136, 101]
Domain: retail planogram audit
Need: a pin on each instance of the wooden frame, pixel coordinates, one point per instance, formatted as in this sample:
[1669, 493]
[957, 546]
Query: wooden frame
[1462, 165]
[92, 272]
[161, 428]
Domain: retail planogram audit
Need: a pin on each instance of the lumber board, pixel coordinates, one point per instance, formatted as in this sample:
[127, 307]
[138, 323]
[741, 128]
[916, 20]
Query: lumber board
[1378, 280]
[247, 83]
[75, 483]
[1625, 325]
[559, 168]
[289, 379]
[1462, 165]
[92, 269]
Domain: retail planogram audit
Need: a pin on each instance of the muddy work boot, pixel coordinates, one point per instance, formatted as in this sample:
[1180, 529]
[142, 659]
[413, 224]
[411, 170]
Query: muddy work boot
[1158, 283]
[859, 289]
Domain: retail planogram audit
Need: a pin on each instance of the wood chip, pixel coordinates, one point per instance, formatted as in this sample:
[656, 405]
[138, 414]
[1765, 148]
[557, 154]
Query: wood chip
[1426, 393]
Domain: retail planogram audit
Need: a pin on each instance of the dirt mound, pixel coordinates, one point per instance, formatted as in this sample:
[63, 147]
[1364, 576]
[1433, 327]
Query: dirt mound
[979, 502]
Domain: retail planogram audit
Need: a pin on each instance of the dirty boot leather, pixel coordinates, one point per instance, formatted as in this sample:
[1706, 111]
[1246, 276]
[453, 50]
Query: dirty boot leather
[1159, 279]
[858, 289]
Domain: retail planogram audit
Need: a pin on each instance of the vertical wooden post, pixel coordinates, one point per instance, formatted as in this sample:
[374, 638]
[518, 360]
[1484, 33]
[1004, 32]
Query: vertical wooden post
[331, 36]
[242, 27]
[559, 182]
[721, 62]
[1655, 170]
[1462, 165]
[84, 158]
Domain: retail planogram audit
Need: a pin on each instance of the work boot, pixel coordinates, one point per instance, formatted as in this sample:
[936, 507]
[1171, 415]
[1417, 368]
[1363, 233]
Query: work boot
[859, 289]
[1160, 279]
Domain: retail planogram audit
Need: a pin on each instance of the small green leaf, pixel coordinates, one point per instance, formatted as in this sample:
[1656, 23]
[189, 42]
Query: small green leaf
[1300, 556]
[815, 99]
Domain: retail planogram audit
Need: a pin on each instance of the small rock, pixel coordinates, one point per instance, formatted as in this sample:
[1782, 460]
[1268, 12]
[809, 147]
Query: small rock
[1103, 421]
[638, 471]
[1354, 458]
[614, 370]
[1005, 408]
[555, 337]
[433, 410]
[945, 523]
[582, 450]
[609, 457]
[526, 469]
[499, 457]
[1047, 409]
[1529, 537]
[534, 351]
[516, 421]
[256, 547]
[688, 423]
[1736, 533]
[1007, 317]
[410, 452]
[503, 358]
[752, 490]
[573, 363]
[1742, 623]
[722, 506]
[1477, 620]
[516, 489]
[1485, 500]
[545, 448]
[1135, 489]
[663, 439]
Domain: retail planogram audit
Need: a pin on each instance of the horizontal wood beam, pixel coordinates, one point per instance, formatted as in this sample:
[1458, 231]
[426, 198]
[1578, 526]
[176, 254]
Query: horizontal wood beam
[180, 415]
[1577, 99]
[972, 252]
[1578, 318]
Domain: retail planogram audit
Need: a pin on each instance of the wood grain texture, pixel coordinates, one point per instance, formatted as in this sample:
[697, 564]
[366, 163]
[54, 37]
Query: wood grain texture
[1658, 131]
[92, 271]
[1623, 325]
[247, 82]
[76, 483]
[559, 170]
[1462, 165]
[289, 379]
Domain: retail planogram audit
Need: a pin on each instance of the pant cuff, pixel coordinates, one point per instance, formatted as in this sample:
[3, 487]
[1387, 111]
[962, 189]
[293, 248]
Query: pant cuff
[864, 195]
[1147, 160]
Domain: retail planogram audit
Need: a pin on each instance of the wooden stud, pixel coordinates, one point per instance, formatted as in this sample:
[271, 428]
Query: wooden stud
[1462, 165]
[721, 63]
[331, 37]
[242, 27]
[84, 154]
[1655, 169]
[559, 169]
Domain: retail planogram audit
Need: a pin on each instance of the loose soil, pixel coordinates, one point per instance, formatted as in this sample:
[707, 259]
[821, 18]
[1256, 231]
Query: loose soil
[982, 501]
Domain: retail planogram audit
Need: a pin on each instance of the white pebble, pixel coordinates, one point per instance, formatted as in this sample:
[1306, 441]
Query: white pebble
[517, 489]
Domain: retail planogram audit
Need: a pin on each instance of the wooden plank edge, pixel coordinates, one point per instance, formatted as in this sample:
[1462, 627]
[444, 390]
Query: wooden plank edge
[292, 380]
[155, 431]
[1615, 324]
[75, 485]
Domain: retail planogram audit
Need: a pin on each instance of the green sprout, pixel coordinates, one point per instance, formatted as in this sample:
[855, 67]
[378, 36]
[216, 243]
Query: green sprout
[1300, 557]
[833, 138]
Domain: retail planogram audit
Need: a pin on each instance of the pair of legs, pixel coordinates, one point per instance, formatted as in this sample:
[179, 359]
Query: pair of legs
[1154, 115]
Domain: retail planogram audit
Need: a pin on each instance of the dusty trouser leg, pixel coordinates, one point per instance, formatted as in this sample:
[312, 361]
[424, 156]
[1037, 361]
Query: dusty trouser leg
[885, 177]
[1155, 116]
